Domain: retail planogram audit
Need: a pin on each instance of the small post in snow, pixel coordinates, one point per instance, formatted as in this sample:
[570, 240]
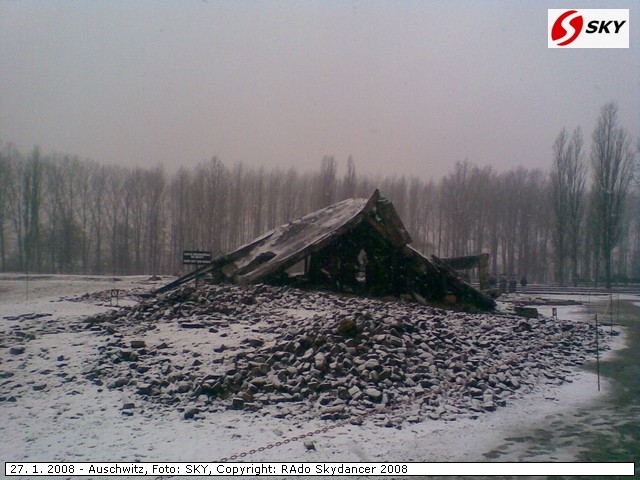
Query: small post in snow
[597, 354]
[115, 293]
[611, 313]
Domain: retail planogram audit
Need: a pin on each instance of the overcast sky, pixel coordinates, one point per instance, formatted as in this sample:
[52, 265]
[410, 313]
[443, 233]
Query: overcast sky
[405, 87]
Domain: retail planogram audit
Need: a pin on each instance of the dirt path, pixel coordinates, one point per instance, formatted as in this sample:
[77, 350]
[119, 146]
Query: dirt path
[619, 437]
[603, 431]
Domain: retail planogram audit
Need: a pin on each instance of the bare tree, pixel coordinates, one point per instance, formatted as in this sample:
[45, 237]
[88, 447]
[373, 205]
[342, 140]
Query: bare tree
[15, 203]
[634, 219]
[457, 205]
[567, 177]
[290, 195]
[611, 160]
[576, 197]
[417, 209]
[97, 210]
[257, 205]
[135, 196]
[82, 209]
[493, 218]
[178, 210]
[32, 194]
[559, 180]
[5, 179]
[115, 215]
[64, 178]
[481, 199]
[154, 227]
[274, 189]
[327, 183]
[510, 185]
[634, 232]
[349, 180]
[215, 204]
[530, 198]
[637, 170]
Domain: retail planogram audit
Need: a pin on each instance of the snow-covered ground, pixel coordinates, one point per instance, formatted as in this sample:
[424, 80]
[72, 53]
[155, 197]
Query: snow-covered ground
[53, 413]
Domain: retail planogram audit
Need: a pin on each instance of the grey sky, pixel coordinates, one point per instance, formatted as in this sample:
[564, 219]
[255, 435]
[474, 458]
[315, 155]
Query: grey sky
[405, 87]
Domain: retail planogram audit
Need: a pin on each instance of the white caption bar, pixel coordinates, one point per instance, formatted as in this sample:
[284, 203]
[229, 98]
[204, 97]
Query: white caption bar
[115, 469]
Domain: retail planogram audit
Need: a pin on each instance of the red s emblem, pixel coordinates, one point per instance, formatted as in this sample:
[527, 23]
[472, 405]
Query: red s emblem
[558, 31]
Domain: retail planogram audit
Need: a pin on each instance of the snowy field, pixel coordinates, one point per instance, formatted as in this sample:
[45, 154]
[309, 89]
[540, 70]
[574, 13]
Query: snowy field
[53, 413]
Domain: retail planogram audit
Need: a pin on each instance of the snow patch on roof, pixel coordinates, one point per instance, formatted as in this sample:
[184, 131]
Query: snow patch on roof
[287, 240]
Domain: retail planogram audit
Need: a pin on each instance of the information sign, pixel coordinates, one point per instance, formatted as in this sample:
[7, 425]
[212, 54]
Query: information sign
[195, 257]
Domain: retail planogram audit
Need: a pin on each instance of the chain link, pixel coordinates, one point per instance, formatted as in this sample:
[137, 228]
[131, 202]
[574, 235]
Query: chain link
[354, 420]
[326, 428]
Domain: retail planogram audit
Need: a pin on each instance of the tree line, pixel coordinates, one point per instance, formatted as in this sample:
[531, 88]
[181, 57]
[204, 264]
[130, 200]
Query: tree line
[577, 222]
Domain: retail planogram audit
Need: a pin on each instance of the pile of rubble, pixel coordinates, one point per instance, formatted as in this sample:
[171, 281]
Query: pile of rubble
[108, 296]
[291, 352]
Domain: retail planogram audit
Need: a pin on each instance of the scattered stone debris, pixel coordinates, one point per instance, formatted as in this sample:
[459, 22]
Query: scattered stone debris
[106, 296]
[190, 413]
[317, 354]
[27, 316]
[537, 301]
[527, 312]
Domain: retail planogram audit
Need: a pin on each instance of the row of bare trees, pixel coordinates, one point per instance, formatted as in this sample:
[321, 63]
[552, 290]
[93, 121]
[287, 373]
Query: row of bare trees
[600, 223]
[61, 214]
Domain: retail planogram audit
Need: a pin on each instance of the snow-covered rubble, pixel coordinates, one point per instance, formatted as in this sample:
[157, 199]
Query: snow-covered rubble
[68, 417]
[308, 355]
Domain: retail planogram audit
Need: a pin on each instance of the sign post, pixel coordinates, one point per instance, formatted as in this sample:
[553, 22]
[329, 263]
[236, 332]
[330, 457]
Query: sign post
[115, 293]
[197, 258]
[597, 354]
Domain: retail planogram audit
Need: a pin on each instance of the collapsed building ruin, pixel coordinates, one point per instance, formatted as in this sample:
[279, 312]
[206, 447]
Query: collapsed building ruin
[357, 246]
[472, 262]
